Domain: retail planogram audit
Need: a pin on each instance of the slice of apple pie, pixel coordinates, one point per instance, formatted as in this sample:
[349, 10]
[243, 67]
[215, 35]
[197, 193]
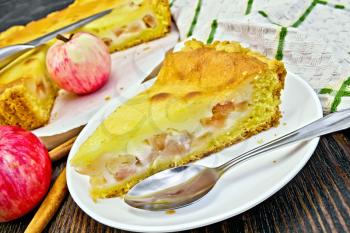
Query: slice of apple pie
[27, 93]
[206, 97]
[131, 22]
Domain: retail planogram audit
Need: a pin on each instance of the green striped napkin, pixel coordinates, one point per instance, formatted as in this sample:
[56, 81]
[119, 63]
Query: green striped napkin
[311, 37]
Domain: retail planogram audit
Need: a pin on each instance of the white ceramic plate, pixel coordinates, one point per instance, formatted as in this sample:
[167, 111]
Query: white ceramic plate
[240, 189]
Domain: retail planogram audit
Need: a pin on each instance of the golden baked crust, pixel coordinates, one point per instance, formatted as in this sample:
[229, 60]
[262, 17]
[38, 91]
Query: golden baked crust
[22, 100]
[206, 97]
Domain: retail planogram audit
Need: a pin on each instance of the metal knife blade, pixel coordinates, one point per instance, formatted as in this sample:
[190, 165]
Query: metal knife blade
[68, 28]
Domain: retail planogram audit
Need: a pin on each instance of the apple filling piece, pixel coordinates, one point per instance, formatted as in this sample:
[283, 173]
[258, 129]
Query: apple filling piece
[122, 166]
[148, 21]
[221, 112]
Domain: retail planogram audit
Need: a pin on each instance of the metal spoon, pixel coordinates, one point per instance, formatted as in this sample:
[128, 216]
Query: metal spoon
[181, 186]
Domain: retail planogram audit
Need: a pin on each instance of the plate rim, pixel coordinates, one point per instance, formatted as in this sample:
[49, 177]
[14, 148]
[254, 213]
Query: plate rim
[312, 144]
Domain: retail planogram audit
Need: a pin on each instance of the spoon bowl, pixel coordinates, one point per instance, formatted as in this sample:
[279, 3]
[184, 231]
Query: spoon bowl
[173, 188]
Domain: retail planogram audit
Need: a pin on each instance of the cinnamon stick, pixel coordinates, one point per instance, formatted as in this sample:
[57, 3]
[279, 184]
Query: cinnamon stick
[50, 205]
[62, 150]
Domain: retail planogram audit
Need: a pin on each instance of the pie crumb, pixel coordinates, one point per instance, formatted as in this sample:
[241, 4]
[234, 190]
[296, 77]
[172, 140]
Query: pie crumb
[170, 212]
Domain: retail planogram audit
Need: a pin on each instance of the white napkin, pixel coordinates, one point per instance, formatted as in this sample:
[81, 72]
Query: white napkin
[311, 37]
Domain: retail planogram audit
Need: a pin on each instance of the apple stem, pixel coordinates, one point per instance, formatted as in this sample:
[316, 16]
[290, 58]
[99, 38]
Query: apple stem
[62, 38]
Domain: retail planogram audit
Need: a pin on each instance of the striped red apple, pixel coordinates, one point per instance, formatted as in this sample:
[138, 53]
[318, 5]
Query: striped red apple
[25, 172]
[79, 64]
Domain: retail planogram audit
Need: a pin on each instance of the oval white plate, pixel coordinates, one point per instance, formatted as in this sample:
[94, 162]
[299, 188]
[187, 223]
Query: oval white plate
[240, 189]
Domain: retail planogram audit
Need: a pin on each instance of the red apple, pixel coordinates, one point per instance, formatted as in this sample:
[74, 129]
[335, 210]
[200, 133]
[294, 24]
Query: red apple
[80, 64]
[25, 172]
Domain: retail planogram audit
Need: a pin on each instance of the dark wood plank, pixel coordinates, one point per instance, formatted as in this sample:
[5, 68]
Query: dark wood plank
[19, 12]
[316, 200]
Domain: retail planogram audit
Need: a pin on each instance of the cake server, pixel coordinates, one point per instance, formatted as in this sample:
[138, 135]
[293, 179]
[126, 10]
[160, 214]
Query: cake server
[9, 53]
[181, 186]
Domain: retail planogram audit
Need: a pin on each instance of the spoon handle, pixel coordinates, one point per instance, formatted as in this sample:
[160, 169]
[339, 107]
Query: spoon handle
[331, 123]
